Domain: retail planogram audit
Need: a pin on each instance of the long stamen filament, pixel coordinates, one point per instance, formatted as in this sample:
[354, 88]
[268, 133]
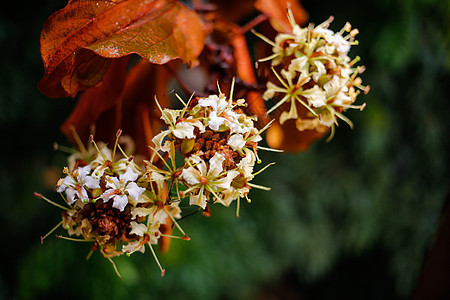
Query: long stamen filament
[114, 266]
[163, 271]
[51, 231]
[175, 222]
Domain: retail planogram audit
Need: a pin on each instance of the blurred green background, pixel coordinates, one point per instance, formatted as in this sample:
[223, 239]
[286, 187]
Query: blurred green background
[349, 219]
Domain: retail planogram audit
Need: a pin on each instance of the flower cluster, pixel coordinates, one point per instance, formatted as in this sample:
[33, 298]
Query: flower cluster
[316, 73]
[113, 203]
[218, 143]
[121, 206]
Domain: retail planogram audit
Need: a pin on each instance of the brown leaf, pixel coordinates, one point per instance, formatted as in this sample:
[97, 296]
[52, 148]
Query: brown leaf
[277, 12]
[99, 103]
[157, 30]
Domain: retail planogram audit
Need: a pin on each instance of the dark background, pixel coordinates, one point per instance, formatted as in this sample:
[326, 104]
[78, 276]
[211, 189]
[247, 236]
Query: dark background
[351, 219]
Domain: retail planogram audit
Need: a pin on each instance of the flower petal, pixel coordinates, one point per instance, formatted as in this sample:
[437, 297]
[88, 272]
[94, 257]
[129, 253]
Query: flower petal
[137, 228]
[215, 165]
[91, 182]
[184, 130]
[129, 175]
[134, 190]
[215, 121]
[236, 142]
[199, 199]
[120, 201]
[190, 175]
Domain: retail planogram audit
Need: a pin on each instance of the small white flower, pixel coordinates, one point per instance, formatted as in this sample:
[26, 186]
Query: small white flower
[316, 96]
[200, 178]
[138, 228]
[215, 121]
[75, 185]
[122, 188]
[170, 116]
[247, 163]
[218, 103]
[236, 142]
[320, 70]
[182, 130]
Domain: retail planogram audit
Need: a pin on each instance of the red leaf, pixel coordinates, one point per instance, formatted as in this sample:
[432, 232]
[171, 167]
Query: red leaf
[157, 30]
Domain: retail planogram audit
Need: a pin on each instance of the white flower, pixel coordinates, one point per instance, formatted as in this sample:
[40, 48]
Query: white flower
[199, 178]
[218, 103]
[215, 121]
[236, 142]
[75, 185]
[122, 188]
[320, 70]
[170, 116]
[335, 85]
[298, 65]
[100, 163]
[183, 129]
[316, 96]
[229, 195]
[342, 45]
[247, 163]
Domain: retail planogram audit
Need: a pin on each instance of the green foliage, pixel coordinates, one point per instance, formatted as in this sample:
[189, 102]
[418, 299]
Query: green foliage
[372, 196]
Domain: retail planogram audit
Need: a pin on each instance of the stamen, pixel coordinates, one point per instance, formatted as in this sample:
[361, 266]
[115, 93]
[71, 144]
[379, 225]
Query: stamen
[290, 15]
[230, 101]
[40, 196]
[73, 240]
[80, 144]
[89, 255]
[91, 139]
[279, 103]
[263, 169]
[265, 39]
[257, 186]
[269, 149]
[175, 222]
[354, 32]
[185, 238]
[118, 133]
[238, 206]
[50, 232]
[331, 134]
[163, 271]
[160, 157]
[114, 266]
[162, 111]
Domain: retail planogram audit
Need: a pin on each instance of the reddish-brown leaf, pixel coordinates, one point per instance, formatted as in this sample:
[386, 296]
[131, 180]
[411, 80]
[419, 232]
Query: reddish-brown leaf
[277, 12]
[157, 30]
[100, 101]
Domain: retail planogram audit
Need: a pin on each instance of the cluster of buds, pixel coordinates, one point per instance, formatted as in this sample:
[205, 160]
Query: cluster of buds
[122, 206]
[316, 73]
[113, 203]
